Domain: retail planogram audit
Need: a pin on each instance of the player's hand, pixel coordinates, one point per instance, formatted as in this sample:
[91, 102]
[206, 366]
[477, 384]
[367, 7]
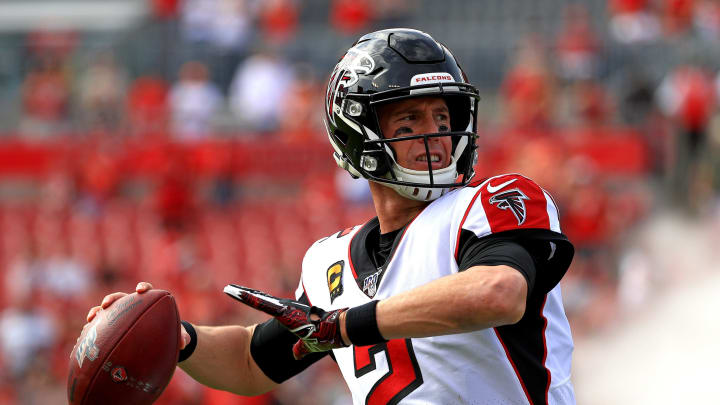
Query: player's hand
[140, 288]
[318, 330]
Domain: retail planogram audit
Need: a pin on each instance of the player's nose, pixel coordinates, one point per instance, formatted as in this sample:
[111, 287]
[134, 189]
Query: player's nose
[429, 125]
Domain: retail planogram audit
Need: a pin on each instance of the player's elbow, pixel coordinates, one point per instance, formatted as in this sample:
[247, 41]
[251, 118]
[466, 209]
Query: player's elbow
[505, 298]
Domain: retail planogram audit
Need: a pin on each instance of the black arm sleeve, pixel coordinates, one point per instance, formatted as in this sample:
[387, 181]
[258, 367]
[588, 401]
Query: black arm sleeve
[491, 251]
[271, 348]
[541, 255]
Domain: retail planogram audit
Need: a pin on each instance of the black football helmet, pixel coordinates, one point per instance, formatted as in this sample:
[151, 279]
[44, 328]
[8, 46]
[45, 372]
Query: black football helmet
[388, 66]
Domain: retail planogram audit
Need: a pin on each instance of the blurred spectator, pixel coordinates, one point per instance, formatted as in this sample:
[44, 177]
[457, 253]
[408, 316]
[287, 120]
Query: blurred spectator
[217, 32]
[528, 90]
[677, 16]
[25, 332]
[392, 13]
[687, 97]
[592, 104]
[102, 90]
[174, 198]
[147, 106]
[219, 23]
[302, 122]
[577, 46]
[58, 44]
[165, 9]
[65, 277]
[197, 18]
[706, 19]
[258, 93]
[45, 98]
[24, 273]
[350, 16]
[278, 20]
[633, 21]
[586, 207]
[194, 100]
[636, 96]
[98, 176]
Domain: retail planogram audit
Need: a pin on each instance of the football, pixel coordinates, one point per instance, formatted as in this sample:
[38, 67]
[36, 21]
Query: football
[128, 353]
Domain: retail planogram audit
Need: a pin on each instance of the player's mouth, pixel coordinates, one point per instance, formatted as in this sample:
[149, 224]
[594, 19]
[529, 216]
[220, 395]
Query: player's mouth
[436, 161]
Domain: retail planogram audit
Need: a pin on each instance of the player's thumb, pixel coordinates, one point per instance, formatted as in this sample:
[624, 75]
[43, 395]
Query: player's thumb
[300, 350]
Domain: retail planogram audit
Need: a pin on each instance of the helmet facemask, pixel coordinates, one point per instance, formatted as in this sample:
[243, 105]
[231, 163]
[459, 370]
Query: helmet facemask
[379, 160]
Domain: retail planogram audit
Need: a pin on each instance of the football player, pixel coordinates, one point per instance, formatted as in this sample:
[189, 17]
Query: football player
[450, 295]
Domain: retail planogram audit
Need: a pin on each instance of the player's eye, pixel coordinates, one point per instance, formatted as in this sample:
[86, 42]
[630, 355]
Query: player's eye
[443, 128]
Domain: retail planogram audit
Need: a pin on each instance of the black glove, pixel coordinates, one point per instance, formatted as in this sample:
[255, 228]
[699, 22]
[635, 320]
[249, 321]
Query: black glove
[318, 330]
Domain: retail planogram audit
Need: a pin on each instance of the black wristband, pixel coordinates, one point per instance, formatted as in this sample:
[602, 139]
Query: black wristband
[190, 348]
[361, 325]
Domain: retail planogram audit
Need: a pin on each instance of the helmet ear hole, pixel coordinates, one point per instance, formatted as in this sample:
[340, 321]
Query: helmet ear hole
[468, 158]
[459, 108]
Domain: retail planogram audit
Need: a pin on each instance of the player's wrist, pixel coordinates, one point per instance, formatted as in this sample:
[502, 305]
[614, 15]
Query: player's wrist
[188, 350]
[361, 325]
[342, 322]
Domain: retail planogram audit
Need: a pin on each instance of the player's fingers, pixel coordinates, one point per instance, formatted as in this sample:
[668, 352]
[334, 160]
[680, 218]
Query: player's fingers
[110, 298]
[300, 350]
[143, 286]
[93, 311]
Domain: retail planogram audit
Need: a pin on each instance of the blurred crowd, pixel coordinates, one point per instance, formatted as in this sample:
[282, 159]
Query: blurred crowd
[211, 166]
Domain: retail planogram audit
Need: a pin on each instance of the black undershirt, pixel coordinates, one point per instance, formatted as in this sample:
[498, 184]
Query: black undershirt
[379, 248]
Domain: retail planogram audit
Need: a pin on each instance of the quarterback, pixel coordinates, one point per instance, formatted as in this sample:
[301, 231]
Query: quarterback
[449, 295]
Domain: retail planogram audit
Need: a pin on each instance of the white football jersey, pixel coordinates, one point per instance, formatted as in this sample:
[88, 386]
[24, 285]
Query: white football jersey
[524, 363]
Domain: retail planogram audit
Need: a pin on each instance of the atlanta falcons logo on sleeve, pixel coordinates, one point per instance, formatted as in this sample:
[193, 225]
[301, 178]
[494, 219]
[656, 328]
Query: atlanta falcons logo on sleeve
[511, 200]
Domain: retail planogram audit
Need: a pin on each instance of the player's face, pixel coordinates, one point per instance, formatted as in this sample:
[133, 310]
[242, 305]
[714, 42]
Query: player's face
[417, 116]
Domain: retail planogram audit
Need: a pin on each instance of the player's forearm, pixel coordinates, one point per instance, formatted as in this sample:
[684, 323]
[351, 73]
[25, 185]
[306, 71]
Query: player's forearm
[474, 299]
[222, 360]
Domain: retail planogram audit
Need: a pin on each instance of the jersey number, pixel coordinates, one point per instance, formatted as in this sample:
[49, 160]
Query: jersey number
[402, 378]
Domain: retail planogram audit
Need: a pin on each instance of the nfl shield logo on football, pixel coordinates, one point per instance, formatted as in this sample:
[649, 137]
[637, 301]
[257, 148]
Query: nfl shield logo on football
[119, 374]
[370, 284]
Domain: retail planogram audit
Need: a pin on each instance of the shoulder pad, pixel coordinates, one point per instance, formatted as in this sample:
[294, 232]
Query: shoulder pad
[508, 202]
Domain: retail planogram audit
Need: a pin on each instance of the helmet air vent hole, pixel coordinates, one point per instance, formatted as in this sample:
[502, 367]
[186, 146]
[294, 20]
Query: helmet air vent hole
[415, 193]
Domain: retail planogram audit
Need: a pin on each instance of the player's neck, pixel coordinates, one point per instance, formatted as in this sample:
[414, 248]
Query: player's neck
[393, 210]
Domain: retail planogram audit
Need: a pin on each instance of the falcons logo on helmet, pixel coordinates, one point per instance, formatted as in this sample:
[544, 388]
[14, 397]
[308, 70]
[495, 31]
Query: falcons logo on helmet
[511, 200]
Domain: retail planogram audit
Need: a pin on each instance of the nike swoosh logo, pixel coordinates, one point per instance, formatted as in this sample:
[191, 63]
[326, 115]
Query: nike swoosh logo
[499, 187]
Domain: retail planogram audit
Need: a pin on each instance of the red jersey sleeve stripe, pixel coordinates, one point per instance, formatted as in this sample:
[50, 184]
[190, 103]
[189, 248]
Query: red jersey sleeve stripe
[462, 222]
[545, 348]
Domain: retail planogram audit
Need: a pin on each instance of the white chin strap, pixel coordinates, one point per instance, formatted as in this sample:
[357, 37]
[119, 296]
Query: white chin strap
[446, 175]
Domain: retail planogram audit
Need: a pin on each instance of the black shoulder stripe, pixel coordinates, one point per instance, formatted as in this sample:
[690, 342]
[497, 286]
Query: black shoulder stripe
[524, 345]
